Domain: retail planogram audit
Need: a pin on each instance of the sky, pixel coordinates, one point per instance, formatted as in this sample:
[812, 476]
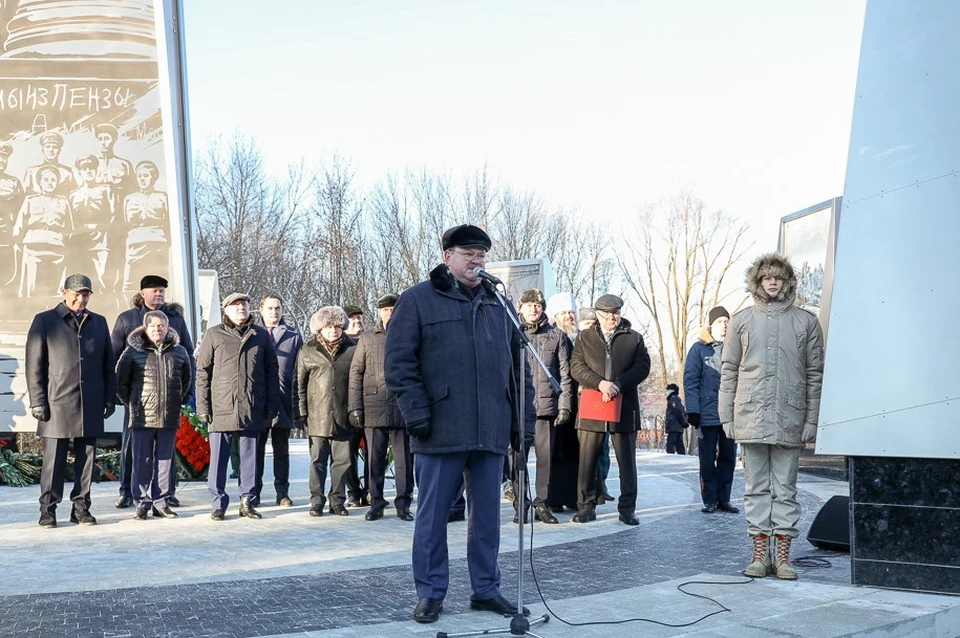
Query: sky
[602, 107]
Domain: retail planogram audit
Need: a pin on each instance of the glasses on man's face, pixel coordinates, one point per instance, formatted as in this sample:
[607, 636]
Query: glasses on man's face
[472, 255]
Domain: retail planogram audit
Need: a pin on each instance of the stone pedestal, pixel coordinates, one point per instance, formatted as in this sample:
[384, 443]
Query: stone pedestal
[905, 532]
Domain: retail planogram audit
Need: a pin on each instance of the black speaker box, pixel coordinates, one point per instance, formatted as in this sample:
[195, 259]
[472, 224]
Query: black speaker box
[831, 527]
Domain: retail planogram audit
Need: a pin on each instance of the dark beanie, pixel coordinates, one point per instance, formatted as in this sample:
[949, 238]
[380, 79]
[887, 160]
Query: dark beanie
[716, 313]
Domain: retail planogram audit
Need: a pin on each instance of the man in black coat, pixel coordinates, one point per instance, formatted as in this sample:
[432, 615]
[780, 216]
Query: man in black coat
[152, 296]
[286, 341]
[373, 407]
[609, 358]
[73, 388]
[238, 394]
[674, 420]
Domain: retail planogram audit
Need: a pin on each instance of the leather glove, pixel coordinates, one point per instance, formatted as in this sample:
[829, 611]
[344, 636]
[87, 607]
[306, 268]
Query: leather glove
[203, 418]
[420, 430]
[40, 413]
[356, 418]
[300, 423]
[563, 417]
[809, 433]
[693, 418]
[109, 409]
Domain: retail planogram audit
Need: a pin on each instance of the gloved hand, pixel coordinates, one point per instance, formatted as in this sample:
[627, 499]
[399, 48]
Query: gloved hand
[40, 412]
[203, 418]
[728, 430]
[563, 417]
[809, 433]
[109, 409]
[356, 418]
[300, 423]
[420, 430]
[693, 418]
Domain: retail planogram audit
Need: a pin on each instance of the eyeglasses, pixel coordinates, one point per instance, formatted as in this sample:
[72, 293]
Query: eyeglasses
[472, 255]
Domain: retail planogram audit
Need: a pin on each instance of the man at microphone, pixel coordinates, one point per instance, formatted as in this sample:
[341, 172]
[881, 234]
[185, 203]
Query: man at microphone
[453, 361]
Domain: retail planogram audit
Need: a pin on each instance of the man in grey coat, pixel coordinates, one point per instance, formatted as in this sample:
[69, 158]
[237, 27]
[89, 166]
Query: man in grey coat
[453, 360]
[73, 388]
[238, 394]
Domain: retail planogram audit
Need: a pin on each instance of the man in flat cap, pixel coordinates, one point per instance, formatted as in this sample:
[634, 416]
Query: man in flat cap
[610, 358]
[113, 171]
[453, 361]
[238, 395]
[152, 296]
[73, 388]
[374, 408]
[11, 198]
[51, 143]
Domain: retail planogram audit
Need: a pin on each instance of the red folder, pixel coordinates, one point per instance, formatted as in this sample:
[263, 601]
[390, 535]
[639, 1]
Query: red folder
[593, 407]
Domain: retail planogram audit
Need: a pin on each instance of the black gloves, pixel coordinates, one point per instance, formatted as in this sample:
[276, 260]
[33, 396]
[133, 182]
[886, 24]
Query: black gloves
[300, 423]
[563, 417]
[356, 418]
[40, 413]
[420, 430]
[693, 418]
[109, 409]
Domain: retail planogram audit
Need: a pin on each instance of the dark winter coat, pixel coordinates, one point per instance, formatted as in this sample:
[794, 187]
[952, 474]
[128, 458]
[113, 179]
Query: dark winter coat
[287, 343]
[453, 357]
[237, 377]
[368, 386]
[132, 318]
[675, 420]
[70, 369]
[154, 382]
[321, 387]
[626, 363]
[701, 379]
[554, 350]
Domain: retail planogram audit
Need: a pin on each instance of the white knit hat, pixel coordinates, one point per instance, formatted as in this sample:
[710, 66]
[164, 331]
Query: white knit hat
[560, 302]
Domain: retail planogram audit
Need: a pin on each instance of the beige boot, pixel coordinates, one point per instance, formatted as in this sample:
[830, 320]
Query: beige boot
[784, 569]
[760, 564]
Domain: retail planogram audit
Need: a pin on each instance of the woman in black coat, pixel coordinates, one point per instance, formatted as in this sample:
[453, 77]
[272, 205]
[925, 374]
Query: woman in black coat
[154, 377]
[323, 375]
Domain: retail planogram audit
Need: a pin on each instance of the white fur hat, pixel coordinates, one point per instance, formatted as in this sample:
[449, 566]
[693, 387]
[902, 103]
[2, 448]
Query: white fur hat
[560, 302]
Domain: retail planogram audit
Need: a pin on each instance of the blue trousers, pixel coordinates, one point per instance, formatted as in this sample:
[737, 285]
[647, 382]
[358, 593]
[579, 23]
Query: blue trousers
[220, 460]
[718, 459]
[439, 477]
[152, 453]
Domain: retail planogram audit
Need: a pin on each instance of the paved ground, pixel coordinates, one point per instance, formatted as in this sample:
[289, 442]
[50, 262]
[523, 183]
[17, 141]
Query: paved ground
[293, 575]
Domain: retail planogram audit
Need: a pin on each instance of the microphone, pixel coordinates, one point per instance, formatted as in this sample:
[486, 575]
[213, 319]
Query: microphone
[483, 274]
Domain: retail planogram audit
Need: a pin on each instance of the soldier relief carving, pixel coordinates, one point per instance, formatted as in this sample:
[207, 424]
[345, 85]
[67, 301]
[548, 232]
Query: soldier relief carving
[82, 185]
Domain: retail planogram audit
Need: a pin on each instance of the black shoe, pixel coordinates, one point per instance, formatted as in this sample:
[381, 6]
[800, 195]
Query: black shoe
[405, 515]
[428, 610]
[708, 509]
[48, 519]
[556, 509]
[217, 514]
[140, 514]
[544, 516]
[165, 512]
[455, 516]
[247, 509]
[498, 605]
[353, 502]
[234, 474]
[585, 515]
[373, 515]
[284, 501]
[727, 507]
[255, 501]
[173, 501]
[629, 519]
[606, 496]
[526, 517]
[316, 510]
[83, 517]
[124, 502]
[339, 510]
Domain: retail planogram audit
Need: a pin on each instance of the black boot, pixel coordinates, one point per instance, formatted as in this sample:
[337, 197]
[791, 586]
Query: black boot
[247, 510]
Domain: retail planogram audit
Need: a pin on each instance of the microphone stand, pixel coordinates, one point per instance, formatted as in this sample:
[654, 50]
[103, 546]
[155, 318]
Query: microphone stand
[519, 624]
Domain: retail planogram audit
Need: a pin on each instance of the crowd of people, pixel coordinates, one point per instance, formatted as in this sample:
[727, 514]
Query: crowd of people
[445, 380]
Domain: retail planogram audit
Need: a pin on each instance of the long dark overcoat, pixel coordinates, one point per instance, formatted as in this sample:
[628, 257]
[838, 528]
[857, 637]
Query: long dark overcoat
[287, 342]
[553, 348]
[454, 358]
[69, 366]
[368, 385]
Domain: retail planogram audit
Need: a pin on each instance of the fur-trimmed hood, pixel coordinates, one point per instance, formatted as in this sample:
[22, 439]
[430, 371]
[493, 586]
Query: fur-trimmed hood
[169, 309]
[138, 339]
[771, 265]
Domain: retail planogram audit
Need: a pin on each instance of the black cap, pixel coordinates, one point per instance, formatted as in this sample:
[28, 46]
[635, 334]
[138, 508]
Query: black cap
[153, 281]
[673, 387]
[388, 300]
[78, 283]
[716, 313]
[352, 310]
[608, 302]
[466, 235]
